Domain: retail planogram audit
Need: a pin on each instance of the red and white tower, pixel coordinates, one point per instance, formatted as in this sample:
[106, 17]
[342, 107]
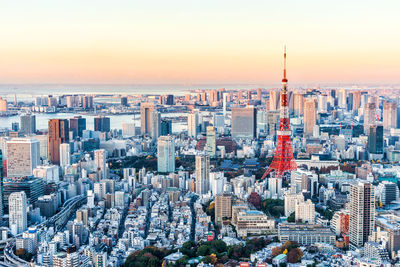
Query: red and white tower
[283, 159]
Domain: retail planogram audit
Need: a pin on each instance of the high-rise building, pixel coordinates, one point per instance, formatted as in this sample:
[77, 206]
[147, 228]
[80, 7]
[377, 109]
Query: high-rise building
[166, 154]
[33, 188]
[18, 213]
[193, 124]
[23, 155]
[202, 174]
[211, 141]
[274, 97]
[77, 125]
[146, 111]
[102, 124]
[124, 101]
[167, 100]
[356, 100]
[87, 102]
[155, 130]
[369, 116]
[223, 207]
[362, 213]
[322, 103]
[310, 115]
[28, 124]
[244, 122]
[298, 104]
[3, 105]
[58, 134]
[128, 129]
[375, 139]
[342, 98]
[389, 115]
[166, 127]
[100, 160]
[65, 154]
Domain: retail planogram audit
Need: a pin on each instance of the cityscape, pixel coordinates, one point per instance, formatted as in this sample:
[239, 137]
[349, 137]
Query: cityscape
[188, 152]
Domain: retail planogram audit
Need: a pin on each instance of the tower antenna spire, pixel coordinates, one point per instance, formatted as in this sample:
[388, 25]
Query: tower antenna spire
[284, 66]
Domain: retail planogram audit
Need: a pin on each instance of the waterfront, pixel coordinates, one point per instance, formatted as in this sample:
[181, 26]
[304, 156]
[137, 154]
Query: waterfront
[115, 120]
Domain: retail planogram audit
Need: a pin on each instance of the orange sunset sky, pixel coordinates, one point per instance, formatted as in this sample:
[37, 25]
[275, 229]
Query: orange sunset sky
[199, 41]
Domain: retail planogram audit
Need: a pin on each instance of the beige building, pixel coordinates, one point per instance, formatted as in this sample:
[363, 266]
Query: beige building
[310, 115]
[254, 222]
[298, 104]
[23, 155]
[389, 115]
[223, 208]
[305, 211]
[369, 116]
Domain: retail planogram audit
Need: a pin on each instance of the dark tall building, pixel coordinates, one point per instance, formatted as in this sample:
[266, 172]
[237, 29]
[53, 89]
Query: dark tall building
[375, 139]
[15, 126]
[102, 124]
[124, 101]
[167, 100]
[350, 100]
[28, 124]
[166, 127]
[77, 124]
[58, 134]
[33, 188]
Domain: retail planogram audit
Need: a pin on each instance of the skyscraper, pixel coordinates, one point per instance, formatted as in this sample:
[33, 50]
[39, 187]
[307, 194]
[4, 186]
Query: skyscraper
[28, 124]
[166, 154]
[369, 116]
[342, 97]
[362, 213]
[102, 124]
[17, 212]
[100, 160]
[310, 115]
[77, 124]
[202, 174]
[244, 122]
[155, 129]
[166, 127]
[274, 97]
[193, 124]
[146, 111]
[356, 100]
[389, 115]
[298, 104]
[375, 140]
[223, 207]
[211, 141]
[58, 134]
[65, 154]
[23, 155]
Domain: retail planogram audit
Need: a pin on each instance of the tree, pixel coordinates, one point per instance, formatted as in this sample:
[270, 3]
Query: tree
[277, 251]
[188, 248]
[203, 250]
[294, 255]
[292, 218]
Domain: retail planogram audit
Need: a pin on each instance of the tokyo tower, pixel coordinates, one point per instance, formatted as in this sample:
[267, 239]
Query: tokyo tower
[283, 159]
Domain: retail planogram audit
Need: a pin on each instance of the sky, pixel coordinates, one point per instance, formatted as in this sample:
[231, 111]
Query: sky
[199, 42]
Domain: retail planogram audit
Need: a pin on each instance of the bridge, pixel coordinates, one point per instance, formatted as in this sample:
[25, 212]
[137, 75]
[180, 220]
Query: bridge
[58, 221]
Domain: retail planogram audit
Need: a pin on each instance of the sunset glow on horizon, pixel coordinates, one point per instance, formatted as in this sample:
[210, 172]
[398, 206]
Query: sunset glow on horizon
[199, 41]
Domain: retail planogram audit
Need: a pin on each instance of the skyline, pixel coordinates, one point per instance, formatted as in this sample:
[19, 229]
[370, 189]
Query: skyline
[191, 43]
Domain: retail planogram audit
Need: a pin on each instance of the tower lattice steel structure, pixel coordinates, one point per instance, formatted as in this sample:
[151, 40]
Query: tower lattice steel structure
[283, 159]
